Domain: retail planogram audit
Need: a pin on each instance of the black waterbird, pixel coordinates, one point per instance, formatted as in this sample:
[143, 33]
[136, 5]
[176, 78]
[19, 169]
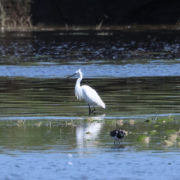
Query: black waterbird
[118, 134]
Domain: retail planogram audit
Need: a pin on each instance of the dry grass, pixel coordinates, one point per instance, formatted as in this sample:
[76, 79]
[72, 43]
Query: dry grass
[15, 15]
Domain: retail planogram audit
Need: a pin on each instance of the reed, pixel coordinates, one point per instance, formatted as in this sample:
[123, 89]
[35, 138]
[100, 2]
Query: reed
[15, 15]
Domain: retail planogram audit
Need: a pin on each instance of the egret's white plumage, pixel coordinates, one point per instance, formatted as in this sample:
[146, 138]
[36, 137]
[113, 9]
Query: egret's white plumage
[87, 93]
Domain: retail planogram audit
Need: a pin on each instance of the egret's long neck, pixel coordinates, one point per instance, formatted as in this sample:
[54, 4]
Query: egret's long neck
[78, 91]
[79, 80]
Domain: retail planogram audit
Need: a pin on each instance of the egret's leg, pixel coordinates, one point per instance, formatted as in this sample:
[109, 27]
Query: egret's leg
[89, 109]
[93, 110]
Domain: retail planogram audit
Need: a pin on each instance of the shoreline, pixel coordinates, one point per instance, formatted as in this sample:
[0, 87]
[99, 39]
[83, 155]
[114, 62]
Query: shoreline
[76, 28]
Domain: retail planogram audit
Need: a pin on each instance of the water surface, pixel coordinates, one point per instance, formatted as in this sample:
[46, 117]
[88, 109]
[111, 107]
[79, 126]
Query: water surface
[114, 53]
[45, 133]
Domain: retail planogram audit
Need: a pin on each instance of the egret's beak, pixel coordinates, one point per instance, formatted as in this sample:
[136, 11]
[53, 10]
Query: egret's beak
[71, 76]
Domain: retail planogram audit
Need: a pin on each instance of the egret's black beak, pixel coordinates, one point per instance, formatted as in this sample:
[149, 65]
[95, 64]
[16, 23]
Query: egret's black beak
[71, 76]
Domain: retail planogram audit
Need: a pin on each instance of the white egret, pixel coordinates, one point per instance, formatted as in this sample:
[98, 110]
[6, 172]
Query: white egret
[87, 93]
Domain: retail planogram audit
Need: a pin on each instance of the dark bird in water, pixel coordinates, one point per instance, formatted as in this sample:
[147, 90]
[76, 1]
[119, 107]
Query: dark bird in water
[118, 134]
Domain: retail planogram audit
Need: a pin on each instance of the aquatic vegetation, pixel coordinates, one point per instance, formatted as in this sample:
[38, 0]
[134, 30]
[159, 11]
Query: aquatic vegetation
[170, 131]
[164, 120]
[157, 125]
[171, 138]
[143, 139]
[153, 132]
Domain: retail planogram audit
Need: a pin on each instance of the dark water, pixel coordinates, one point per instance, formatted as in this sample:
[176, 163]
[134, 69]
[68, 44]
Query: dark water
[114, 54]
[45, 133]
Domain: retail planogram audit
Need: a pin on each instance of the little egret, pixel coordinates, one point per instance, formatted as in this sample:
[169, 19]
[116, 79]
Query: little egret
[87, 93]
[118, 134]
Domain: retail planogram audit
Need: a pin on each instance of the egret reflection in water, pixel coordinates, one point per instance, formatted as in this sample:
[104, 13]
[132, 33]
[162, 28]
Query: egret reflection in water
[87, 133]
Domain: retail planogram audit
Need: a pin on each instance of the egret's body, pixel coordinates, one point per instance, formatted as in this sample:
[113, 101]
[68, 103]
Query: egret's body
[87, 94]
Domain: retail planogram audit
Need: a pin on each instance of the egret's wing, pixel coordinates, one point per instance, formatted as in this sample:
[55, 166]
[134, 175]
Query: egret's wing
[91, 96]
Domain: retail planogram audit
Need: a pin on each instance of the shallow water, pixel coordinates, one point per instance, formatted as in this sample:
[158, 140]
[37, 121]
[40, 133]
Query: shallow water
[54, 98]
[82, 149]
[131, 165]
[45, 133]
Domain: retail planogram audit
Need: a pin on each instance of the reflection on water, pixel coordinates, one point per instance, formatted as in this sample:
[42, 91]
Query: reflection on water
[46, 131]
[87, 134]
